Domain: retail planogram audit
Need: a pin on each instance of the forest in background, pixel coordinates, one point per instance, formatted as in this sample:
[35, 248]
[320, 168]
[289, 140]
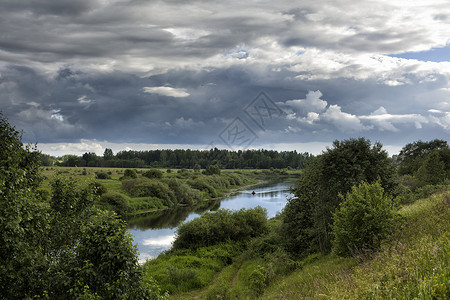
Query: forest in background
[188, 159]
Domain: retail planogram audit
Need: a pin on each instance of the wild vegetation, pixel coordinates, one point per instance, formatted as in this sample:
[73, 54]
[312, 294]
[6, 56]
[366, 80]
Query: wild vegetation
[355, 229]
[360, 226]
[130, 192]
[57, 245]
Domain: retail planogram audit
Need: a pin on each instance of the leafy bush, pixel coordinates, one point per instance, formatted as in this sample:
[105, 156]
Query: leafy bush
[117, 200]
[153, 173]
[99, 189]
[257, 280]
[128, 184]
[154, 188]
[102, 175]
[221, 226]
[130, 173]
[218, 182]
[365, 217]
[42, 194]
[236, 179]
[212, 170]
[106, 261]
[183, 192]
[203, 185]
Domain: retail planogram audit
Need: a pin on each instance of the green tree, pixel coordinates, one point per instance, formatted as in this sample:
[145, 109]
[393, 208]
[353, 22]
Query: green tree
[412, 155]
[307, 217]
[22, 217]
[212, 170]
[432, 170]
[91, 159]
[51, 248]
[108, 154]
[365, 217]
[106, 260]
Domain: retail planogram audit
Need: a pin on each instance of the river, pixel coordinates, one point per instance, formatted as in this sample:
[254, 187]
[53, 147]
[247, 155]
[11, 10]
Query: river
[154, 233]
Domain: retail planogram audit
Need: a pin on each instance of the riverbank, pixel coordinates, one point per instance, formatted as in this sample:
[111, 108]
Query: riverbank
[224, 196]
[154, 233]
[137, 192]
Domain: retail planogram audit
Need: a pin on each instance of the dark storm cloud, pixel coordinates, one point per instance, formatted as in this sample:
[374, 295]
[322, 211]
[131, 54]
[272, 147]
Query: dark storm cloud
[47, 7]
[113, 107]
[181, 71]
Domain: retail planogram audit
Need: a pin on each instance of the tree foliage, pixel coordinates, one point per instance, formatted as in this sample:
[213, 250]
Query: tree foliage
[130, 173]
[411, 155]
[192, 159]
[307, 217]
[22, 218]
[153, 173]
[365, 217]
[432, 170]
[106, 260]
[58, 246]
[221, 226]
[212, 170]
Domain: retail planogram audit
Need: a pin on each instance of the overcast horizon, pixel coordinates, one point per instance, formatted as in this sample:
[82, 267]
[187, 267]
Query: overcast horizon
[82, 76]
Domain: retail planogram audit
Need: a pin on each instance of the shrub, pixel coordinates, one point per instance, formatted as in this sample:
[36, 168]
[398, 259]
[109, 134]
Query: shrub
[99, 189]
[153, 173]
[203, 185]
[257, 280]
[183, 192]
[118, 201]
[236, 179]
[154, 188]
[43, 194]
[212, 170]
[307, 218]
[102, 175]
[365, 217]
[221, 226]
[130, 173]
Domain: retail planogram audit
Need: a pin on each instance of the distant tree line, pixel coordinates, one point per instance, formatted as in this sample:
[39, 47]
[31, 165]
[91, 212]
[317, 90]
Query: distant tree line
[189, 159]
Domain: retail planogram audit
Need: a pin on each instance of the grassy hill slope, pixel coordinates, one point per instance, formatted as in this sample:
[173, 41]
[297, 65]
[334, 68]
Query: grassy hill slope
[415, 263]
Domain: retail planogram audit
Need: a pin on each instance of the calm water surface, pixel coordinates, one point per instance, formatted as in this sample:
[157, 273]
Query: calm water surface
[155, 232]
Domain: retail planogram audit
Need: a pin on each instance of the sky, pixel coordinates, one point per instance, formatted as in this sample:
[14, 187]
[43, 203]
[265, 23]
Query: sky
[84, 75]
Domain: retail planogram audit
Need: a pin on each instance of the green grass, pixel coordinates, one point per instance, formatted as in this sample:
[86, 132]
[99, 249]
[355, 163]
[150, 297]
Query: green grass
[187, 270]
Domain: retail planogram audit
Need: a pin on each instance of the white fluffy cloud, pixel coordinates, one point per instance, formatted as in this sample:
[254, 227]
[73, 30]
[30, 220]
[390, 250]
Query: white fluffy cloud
[312, 103]
[343, 121]
[315, 111]
[385, 121]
